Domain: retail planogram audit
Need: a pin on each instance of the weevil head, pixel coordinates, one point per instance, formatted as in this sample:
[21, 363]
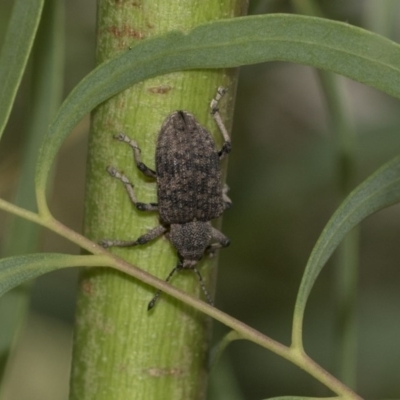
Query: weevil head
[191, 240]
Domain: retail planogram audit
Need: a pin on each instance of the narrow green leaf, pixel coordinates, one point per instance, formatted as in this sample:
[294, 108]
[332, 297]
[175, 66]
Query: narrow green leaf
[15, 52]
[380, 190]
[19, 269]
[330, 45]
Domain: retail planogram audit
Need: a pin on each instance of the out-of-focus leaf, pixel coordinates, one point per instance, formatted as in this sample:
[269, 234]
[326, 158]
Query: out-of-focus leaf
[15, 52]
[380, 190]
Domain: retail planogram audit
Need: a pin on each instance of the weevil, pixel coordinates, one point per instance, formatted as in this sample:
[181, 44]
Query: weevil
[189, 189]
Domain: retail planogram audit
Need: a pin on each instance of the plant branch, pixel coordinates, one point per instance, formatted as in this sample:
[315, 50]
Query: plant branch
[242, 330]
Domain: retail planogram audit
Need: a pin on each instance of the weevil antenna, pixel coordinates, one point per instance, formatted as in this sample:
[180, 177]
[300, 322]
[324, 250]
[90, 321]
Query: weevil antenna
[153, 301]
[203, 286]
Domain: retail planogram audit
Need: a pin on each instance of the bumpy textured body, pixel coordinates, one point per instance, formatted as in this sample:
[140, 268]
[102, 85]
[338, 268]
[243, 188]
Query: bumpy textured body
[188, 172]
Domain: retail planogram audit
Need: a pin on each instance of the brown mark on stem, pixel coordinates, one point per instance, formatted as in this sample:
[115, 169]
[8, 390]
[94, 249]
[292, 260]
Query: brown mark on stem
[125, 31]
[87, 287]
[160, 89]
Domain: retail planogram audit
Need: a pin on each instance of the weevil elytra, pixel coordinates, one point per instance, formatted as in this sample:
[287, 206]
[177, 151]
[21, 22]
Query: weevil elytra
[189, 189]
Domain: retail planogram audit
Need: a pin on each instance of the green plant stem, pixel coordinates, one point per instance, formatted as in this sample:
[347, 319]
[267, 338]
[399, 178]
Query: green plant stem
[119, 349]
[347, 258]
[242, 331]
[346, 320]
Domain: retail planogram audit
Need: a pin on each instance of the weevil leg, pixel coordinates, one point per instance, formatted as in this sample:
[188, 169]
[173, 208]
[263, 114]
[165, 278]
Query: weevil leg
[150, 235]
[179, 267]
[136, 154]
[220, 241]
[131, 193]
[226, 147]
[152, 302]
[225, 198]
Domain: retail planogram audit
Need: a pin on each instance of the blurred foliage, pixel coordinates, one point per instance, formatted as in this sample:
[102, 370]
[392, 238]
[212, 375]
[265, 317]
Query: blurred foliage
[283, 180]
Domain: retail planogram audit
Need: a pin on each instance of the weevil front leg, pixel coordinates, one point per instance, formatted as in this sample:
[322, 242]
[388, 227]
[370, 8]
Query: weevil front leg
[136, 154]
[131, 193]
[179, 267]
[220, 241]
[226, 147]
[147, 237]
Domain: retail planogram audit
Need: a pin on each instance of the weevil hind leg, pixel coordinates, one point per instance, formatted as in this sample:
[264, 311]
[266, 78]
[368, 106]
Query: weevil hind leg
[136, 154]
[226, 147]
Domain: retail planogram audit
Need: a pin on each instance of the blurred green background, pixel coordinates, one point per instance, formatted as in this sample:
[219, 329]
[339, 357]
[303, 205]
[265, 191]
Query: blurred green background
[283, 178]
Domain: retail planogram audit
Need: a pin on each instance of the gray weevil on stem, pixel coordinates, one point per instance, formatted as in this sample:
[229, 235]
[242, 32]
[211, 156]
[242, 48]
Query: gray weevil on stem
[189, 189]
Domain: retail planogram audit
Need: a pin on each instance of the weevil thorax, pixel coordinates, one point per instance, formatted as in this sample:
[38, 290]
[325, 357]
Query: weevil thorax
[191, 240]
